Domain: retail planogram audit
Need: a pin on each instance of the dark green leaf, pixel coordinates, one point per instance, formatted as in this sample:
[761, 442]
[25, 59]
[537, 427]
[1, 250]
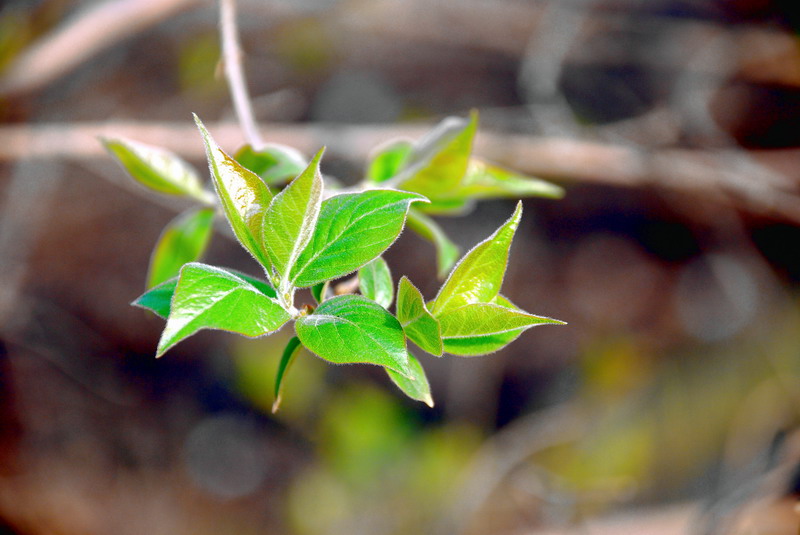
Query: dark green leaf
[353, 228]
[290, 352]
[184, 240]
[159, 299]
[440, 161]
[389, 159]
[275, 164]
[319, 291]
[479, 274]
[415, 387]
[244, 196]
[207, 297]
[446, 250]
[419, 325]
[158, 169]
[375, 282]
[291, 218]
[353, 329]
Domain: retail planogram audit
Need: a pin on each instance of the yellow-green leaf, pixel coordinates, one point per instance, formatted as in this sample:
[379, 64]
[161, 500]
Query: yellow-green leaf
[416, 386]
[418, 323]
[184, 240]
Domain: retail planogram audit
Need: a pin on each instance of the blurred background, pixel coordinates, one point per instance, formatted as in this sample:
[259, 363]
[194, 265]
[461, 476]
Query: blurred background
[669, 404]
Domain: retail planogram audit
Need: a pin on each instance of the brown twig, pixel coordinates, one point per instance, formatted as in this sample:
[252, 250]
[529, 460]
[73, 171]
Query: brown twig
[82, 37]
[234, 73]
[766, 181]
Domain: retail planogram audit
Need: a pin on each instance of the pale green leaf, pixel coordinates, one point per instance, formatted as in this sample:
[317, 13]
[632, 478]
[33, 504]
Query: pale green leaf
[207, 297]
[478, 276]
[484, 180]
[473, 346]
[353, 228]
[158, 169]
[353, 329]
[375, 282]
[446, 250]
[243, 195]
[416, 386]
[440, 160]
[291, 218]
[290, 352]
[388, 160]
[184, 240]
[159, 299]
[275, 164]
[418, 323]
[481, 319]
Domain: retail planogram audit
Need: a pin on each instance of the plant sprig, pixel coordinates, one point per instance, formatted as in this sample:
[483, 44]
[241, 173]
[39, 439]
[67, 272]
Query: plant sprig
[305, 237]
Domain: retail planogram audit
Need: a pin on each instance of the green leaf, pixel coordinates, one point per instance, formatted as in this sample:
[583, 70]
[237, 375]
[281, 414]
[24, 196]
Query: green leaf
[159, 299]
[353, 228]
[244, 196]
[275, 164]
[291, 218]
[473, 346]
[481, 319]
[446, 250]
[415, 387]
[375, 281]
[389, 159]
[158, 169]
[290, 352]
[319, 291]
[207, 297]
[478, 276]
[353, 329]
[184, 240]
[484, 180]
[418, 323]
[440, 161]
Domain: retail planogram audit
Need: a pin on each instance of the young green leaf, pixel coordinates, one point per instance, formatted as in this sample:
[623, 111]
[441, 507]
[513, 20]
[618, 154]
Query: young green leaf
[353, 228]
[446, 250]
[473, 346]
[275, 164]
[416, 387]
[353, 329]
[440, 161]
[291, 218]
[159, 299]
[184, 240]
[479, 274]
[207, 297]
[319, 291]
[290, 352]
[419, 325]
[388, 160]
[375, 282]
[481, 319]
[484, 180]
[244, 196]
[158, 169]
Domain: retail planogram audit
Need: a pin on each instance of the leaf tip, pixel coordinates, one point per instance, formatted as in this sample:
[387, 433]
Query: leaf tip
[428, 400]
[276, 404]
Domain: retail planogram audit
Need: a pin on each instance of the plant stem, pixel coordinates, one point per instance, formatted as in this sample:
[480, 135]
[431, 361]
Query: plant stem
[234, 74]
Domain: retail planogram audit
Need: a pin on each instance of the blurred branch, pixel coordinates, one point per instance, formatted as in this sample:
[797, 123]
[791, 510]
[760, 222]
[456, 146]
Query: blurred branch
[82, 37]
[234, 73]
[764, 181]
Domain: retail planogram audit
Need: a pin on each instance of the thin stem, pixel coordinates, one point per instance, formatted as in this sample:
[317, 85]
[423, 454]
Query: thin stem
[234, 74]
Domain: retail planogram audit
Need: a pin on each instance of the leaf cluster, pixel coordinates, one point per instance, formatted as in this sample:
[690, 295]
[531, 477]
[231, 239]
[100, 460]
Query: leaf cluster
[304, 236]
